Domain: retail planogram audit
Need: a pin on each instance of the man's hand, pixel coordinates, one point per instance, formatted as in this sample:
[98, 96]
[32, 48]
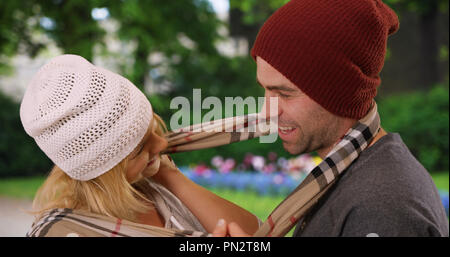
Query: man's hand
[232, 229]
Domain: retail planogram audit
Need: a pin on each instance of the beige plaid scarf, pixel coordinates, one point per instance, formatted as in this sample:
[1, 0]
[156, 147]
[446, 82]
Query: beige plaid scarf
[319, 180]
[60, 222]
[217, 133]
[213, 134]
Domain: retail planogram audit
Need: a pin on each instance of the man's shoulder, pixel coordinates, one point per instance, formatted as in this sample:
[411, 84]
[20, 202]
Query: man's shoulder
[385, 187]
[388, 175]
[391, 151]
[388, 164]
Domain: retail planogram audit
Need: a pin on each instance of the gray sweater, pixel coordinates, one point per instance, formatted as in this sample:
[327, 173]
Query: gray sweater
[385, 192]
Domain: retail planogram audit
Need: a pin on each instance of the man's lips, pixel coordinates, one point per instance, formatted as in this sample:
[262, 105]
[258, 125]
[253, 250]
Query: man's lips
[287, 133]
[286, 129]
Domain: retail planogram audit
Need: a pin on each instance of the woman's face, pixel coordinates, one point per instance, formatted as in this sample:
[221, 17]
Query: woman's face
[145, 159]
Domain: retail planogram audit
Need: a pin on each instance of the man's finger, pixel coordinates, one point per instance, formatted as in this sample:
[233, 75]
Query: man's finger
[221, 229]
[236, 231]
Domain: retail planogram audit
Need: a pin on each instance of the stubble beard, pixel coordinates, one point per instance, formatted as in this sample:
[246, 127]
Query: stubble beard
[320, 135]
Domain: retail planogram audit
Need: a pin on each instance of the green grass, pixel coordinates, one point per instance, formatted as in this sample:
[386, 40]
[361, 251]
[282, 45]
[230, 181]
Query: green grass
[20, 187]
[260, 206]
[251, 201]
[27, 187]
[441, 180]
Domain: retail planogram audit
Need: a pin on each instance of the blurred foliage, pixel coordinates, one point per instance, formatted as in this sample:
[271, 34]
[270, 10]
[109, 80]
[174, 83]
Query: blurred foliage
[419, 6]
[431, 35]
[423, 123]
[15, 31]
[257, 11]
[186, 45]
[70, 24]
[422, 119]
[19, 154]
[146, 23]
[185, 35]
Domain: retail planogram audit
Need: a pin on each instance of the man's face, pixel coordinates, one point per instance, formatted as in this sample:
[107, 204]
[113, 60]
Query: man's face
[303, 125]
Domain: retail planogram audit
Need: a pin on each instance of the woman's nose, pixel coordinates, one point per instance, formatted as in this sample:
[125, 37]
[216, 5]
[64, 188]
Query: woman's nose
[160, 143]
[163, 144]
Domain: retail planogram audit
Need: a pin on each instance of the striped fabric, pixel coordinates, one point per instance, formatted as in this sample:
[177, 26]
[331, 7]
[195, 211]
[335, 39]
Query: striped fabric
[320, 179]
[70, 222]
[218, 133]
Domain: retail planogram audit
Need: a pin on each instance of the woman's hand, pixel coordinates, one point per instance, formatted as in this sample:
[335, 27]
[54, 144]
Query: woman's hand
[166, 166]
[232, 229]
[205, 205]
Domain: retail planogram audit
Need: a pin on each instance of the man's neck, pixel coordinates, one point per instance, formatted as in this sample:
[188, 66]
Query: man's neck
[380, 134]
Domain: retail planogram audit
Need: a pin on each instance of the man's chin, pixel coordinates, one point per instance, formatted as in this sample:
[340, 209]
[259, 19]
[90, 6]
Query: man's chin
[291, 148]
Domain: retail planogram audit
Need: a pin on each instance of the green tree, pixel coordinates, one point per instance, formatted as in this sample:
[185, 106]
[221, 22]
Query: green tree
[157, 26]
[72, 26]
[14, 31]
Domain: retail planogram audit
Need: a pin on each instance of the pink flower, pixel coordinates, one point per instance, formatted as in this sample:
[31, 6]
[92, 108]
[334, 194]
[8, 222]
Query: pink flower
[278, 179]
[258, 162]
[201, 169]
[269, 168]
[217, 161]
[227, 165]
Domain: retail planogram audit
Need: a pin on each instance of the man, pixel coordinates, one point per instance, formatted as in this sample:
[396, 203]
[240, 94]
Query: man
[322, 60]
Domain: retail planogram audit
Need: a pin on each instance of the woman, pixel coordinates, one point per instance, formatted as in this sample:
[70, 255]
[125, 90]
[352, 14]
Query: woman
[104, 139]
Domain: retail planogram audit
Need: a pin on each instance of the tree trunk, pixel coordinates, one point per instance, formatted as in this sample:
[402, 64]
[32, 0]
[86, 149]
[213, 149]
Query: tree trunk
[429, 48]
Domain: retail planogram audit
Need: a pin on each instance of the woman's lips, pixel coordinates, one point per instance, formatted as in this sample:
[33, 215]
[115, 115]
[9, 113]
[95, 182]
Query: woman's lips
[151, 162]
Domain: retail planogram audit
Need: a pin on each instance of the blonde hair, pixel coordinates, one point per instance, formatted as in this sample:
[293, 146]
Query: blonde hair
[109, 194]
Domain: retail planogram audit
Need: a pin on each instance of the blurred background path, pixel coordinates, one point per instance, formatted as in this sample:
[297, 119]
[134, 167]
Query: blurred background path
[14, 221]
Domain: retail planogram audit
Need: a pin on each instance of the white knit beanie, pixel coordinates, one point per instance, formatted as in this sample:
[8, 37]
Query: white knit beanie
[84, 118]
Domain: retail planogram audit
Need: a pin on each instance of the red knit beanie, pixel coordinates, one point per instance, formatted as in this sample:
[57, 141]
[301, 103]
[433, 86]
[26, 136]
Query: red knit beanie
[333, 50]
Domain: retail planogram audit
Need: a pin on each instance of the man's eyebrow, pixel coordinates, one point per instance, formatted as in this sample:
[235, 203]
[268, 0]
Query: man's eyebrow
[277, 87]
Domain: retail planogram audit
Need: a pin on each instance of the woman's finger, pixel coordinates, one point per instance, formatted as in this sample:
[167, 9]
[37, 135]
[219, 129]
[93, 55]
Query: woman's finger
[236, 231]
[221, 229]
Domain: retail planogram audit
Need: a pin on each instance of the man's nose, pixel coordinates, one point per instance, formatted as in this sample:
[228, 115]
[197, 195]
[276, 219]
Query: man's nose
[271, 106]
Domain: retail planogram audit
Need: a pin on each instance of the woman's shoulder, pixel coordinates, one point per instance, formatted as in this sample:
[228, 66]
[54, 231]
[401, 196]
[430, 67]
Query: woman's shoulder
[62, 223]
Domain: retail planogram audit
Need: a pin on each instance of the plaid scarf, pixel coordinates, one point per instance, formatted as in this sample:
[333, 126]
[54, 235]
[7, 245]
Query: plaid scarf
[61, 222]
[318, 181]
[217, 133]
[213, 134]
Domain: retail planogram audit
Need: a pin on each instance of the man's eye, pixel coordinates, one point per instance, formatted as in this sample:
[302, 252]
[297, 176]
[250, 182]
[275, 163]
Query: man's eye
[283, 95]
